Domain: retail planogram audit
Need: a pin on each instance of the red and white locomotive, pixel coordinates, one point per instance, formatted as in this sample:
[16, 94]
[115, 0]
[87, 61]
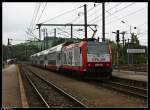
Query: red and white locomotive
[91, 59]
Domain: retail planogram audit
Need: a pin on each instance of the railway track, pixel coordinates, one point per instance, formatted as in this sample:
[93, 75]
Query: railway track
[130, 87]
[46, 90]
[125, 88]
[136, 67]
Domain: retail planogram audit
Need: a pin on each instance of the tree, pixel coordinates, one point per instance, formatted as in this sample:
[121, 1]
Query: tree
[134, 41]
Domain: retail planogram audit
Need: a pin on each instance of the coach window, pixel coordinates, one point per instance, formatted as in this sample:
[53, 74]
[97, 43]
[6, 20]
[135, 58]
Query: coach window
[65, 61]
[45, 57]
[70, 58]
[58, 56]
[40, 62]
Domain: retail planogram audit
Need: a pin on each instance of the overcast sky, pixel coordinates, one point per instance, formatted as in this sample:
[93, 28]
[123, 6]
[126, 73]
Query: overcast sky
[18, 16]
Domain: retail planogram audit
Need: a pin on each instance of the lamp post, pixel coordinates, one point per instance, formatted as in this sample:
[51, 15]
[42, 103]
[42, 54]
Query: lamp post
[131, 35]
[130, 26]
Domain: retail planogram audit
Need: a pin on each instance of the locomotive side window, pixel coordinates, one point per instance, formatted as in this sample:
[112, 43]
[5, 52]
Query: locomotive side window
[77, 56]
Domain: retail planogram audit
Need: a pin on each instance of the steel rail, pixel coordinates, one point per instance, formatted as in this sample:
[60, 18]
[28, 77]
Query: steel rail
[60, 90]
[39, 94]
[127, 89]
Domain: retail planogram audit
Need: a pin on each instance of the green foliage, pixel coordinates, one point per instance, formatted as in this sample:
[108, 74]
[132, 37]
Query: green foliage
[58, 41]
[24, 50]
[122, 52]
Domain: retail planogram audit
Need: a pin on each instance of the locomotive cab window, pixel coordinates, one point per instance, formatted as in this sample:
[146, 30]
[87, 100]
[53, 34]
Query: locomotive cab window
[103, 48]
[97, 48]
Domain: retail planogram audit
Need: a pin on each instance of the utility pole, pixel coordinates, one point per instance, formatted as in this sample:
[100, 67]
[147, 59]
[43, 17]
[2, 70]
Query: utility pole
[117, 34]
[103, 21]
[125, 42]
[117, 40]
[85, 20]
[46, 39]
[130, 29]
[123, 33]
[128, 53]
[26, 49]
[8, 49]
[55, 32]
[71, 32]
[39, 27]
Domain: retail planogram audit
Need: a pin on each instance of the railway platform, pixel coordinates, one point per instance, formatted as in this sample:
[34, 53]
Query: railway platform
[139, 76]
[13, 94]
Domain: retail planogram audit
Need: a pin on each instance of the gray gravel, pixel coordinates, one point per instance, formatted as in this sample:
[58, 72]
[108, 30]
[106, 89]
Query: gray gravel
[52, 96]
[89, 94]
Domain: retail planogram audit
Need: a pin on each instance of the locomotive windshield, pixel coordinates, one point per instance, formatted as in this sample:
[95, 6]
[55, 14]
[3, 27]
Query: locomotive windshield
[97, 48]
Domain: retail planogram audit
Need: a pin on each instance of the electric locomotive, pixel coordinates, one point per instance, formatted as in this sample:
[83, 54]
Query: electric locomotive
[88, 59]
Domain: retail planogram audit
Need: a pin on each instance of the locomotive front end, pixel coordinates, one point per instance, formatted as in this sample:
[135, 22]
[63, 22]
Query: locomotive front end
[99, 61]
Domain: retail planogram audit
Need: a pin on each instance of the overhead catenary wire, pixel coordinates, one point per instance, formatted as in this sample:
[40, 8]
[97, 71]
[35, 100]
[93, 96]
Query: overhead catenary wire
[36, 15]
[141, 9]
[118, 10]
[89, 10]
[33, 28]
[65, 31]
[66, 12]
[110, 13]
[42, 12]
[128, 14]
[61, 14]
[33, 16]
[115, 6]
[33, 20]
[121, 9]
[118, 4]
[114, 12]
[135, 26]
